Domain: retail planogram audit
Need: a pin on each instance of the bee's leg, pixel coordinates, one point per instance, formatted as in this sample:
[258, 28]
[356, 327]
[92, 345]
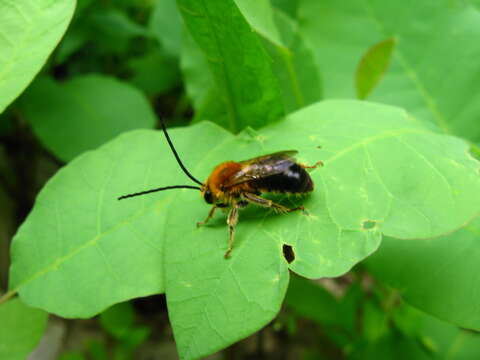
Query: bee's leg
[232, 222]
[210, 215]
[258, 200]
[318, 163]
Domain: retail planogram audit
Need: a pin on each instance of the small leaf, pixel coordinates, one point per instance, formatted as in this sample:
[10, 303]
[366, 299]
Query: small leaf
[29, 31]
[21, 329]
[373, 66]
[83, 113]
[438, 276]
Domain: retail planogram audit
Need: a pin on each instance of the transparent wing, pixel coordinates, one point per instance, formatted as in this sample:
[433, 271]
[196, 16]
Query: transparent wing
[262, 166]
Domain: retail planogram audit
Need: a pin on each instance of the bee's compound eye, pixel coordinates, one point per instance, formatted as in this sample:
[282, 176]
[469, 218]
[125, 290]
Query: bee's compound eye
[208, 197]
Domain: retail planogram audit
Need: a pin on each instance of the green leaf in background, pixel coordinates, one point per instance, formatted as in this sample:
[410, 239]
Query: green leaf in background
[384, 172]
[260, 16]
[374, 322]
[166, 25]
[116, 23]
[372, 67]
[294, 65]
[313, 302]
[292, 62]
[289, 7]
[29, 31]
[199, 83]
[418, 336]
[113, 31]
[241, 67]
[194, 65]
[72, 117]
[154, 73]
[435, 40]
[72, 355]
[118, 320]
[438, 276]
[21, 329]
[339, 33]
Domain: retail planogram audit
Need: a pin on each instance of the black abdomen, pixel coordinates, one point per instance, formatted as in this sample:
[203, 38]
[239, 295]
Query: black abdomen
[294, 179]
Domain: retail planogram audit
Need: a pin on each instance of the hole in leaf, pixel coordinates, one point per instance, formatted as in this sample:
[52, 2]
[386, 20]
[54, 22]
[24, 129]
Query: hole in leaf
[369, 224]
[288, 253]
[319, 146]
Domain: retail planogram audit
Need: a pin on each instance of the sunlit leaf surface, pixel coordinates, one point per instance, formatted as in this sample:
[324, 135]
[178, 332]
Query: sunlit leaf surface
[384, 173]
[29, 31]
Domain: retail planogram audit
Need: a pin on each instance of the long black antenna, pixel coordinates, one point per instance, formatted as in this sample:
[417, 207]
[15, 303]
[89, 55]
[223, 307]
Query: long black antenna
[176, 155]
[159, 189]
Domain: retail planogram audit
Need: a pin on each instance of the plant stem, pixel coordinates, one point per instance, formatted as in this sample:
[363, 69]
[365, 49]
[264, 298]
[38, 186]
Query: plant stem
[7, 296]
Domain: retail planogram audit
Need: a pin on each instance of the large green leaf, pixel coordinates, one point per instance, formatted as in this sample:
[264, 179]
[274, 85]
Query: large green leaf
[381, 166]
[21, 329]
[29, 31]
[432, 73]
[240, 65]
[83, 113]
[383, 172]
[438, 276]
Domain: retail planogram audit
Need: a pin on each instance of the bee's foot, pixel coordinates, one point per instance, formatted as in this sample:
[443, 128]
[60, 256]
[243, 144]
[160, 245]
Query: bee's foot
[304, 211]
[318, 163]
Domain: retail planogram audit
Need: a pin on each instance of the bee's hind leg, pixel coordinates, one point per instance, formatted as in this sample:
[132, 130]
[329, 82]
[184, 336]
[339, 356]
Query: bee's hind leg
[258, 200]
[232, 221]
[314, 166]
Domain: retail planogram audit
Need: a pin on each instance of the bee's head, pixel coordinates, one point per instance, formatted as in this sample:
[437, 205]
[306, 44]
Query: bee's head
[207, 194]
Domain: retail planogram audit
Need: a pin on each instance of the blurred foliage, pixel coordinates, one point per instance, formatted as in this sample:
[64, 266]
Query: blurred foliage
[121, 65]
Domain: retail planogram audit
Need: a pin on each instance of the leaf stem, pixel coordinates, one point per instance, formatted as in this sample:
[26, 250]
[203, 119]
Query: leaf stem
[7, 296]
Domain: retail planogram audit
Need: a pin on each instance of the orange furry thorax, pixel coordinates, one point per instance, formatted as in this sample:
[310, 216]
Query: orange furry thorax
[219, 177]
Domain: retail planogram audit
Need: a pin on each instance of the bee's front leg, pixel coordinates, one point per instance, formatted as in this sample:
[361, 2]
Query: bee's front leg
[210, 215]
[232, 221]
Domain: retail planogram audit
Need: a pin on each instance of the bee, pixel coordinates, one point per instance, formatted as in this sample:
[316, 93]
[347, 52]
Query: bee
[234, 185]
